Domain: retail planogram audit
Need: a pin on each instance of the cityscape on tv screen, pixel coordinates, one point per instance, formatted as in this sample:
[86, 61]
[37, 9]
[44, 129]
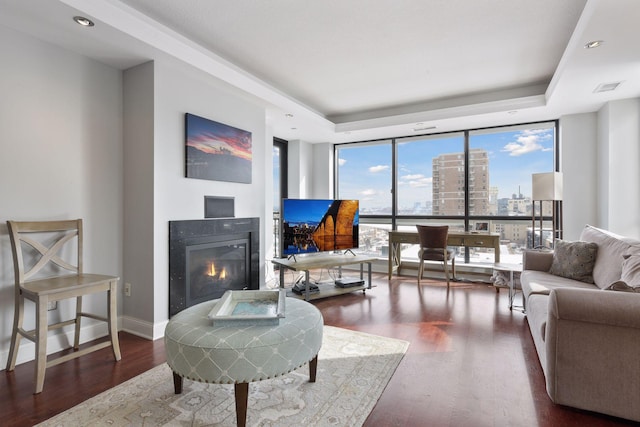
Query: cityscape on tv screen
[318, 225]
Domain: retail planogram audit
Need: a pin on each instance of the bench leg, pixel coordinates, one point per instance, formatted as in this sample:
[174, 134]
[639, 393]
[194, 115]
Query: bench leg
[177, 383]
[242, 396]
[313, 367]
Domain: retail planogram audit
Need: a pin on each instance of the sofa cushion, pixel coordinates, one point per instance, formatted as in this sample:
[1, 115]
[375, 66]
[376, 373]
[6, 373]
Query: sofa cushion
[611, 248]
[574, 260]
[542, 282]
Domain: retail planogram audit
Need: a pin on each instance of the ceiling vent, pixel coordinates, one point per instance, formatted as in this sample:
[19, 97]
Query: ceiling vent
[607, 87]
[420, 129]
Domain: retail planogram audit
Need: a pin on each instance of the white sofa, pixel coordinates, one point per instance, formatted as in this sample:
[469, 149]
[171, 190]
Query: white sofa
[588, 336]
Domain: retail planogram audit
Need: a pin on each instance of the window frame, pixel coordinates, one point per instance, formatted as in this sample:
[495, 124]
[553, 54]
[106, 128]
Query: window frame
[467, 218]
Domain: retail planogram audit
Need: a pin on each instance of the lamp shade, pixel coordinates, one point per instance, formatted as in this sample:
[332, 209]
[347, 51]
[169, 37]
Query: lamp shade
[546, 186]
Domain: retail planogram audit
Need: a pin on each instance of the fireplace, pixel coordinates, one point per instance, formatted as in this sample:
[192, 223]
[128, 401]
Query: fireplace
[209, 257]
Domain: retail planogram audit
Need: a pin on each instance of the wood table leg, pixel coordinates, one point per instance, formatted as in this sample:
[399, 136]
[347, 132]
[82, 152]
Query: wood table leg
[313, 367]
[242, 396]
[177, 383]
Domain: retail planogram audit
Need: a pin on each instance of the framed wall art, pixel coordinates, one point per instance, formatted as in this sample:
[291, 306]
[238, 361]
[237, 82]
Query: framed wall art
[216, 151]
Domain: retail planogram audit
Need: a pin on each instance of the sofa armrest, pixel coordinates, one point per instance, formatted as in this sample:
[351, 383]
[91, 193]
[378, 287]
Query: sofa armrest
[592, 342]
[597, 306]
[537, 260]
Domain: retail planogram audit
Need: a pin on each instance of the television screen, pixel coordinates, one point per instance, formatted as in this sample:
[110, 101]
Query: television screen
[318, 225]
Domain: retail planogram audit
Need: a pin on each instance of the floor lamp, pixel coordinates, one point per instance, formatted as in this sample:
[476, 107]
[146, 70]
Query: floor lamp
[547, 187]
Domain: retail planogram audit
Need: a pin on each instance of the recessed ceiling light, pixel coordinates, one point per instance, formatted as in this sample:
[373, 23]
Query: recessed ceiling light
[593, 44]
[85, 22]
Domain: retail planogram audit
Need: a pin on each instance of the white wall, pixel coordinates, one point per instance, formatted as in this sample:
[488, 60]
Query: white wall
[61, 158]
[578, 163]
[74, 146]
[619, 166]
[323, 171]
[178, 89]
[138, 197]
[300, 169]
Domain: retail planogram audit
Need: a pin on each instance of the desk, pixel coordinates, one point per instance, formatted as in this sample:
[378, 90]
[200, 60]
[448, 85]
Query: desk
[325, 260]
[462, 238]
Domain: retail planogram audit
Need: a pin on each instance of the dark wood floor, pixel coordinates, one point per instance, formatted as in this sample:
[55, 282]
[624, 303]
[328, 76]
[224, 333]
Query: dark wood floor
[471, 362]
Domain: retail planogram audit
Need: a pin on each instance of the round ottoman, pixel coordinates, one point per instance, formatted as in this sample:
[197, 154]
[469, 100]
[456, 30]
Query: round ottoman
[238, 355]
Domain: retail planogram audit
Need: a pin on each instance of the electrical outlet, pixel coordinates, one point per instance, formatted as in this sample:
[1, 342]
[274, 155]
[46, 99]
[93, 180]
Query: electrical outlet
[127, 289]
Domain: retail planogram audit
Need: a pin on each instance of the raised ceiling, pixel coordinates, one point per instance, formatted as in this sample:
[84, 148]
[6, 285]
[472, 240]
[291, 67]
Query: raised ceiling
[360, 69]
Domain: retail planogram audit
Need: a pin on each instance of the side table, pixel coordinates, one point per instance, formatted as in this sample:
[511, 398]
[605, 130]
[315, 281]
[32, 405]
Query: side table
[511, 269]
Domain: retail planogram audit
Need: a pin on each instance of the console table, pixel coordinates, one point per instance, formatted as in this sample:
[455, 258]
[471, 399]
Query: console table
[325, 260]
[462, 238]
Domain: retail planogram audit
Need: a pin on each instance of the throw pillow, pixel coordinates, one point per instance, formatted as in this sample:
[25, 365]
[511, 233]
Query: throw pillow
[611, 248]
[574, 260]
[622, 287]
[631, 270]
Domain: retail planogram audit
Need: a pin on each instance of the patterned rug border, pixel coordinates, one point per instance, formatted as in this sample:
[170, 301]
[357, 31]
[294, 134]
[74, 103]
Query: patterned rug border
[345, 392]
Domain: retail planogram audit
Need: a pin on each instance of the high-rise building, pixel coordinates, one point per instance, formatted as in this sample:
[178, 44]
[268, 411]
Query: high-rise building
[449, 183]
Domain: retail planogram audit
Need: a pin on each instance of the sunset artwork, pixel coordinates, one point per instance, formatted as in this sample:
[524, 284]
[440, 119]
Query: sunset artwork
[216, 151]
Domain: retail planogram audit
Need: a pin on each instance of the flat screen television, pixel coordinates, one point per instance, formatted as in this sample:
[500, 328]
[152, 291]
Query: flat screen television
[318, 225]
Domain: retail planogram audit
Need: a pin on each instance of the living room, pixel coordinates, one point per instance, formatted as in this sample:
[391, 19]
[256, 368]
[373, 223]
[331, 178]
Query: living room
[85, 139]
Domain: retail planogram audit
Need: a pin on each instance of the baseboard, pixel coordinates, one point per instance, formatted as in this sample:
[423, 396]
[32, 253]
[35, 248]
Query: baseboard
[144, 329]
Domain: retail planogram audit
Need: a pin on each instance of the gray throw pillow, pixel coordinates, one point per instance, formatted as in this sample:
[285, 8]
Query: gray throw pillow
[574, 260]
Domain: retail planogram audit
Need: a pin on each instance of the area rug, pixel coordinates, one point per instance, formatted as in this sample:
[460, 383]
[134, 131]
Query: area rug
[353, 370]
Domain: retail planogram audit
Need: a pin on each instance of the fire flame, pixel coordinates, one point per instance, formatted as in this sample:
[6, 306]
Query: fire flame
[213, 273]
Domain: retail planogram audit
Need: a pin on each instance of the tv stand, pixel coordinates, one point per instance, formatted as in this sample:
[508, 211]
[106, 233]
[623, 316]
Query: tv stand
[325, 260]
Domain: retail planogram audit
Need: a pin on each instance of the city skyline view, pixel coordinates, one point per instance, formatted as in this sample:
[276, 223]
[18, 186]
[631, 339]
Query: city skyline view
[365, 172]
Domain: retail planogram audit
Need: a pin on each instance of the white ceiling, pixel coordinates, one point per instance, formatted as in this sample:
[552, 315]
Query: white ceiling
[350, 70]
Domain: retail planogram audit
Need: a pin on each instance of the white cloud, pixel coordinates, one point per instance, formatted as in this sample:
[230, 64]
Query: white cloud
[378, 168]
[414, 176]
[419, 183]
[341, 162]
[527, 142]
[368, 192]
[417, 180]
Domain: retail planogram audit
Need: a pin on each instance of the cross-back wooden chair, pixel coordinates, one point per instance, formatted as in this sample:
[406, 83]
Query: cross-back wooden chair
[48, 248]
[433, 247]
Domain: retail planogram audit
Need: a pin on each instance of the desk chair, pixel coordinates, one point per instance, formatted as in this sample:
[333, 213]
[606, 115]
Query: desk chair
[433, 247]
[43, 245]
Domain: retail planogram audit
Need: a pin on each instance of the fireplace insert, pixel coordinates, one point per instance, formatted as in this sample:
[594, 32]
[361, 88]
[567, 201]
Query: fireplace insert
[209, 257]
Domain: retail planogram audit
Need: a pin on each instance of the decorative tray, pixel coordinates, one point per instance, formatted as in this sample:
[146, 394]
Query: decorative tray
[246, 308]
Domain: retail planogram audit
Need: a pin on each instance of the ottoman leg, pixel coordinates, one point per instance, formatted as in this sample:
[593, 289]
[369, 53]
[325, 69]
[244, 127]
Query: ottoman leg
[242, 396]
[313, 367]
[177, 383]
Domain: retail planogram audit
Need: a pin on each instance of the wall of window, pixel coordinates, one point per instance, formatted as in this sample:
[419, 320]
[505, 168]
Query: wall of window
[458, 178]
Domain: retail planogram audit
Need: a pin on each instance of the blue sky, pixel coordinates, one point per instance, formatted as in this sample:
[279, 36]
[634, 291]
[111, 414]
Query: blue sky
[365, 172]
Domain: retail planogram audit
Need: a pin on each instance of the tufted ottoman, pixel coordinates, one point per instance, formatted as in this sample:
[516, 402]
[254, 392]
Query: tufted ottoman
[238, 355]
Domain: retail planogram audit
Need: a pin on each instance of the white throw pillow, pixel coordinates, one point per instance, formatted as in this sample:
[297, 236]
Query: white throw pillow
[631, 270]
